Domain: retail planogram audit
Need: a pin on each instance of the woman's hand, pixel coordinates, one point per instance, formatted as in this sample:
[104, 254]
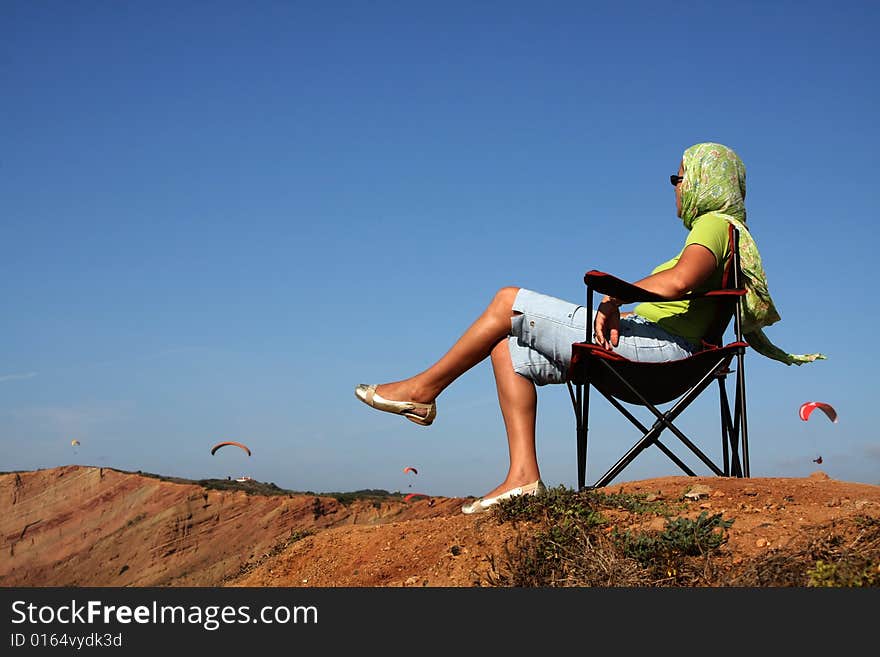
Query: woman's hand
[607, 325]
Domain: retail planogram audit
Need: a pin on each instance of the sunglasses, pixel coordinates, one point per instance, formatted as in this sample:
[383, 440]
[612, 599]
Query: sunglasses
[675, 179]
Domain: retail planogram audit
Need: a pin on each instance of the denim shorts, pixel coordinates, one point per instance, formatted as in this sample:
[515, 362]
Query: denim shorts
[541, 337]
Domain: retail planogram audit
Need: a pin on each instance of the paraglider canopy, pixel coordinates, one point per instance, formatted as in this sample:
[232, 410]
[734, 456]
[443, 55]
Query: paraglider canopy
[74, 442]
[230, 442]
[807, 408]
[409, 468]
[412, 495]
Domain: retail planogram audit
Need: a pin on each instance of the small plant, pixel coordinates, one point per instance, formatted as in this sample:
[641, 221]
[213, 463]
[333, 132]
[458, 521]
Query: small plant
[845, 573]
[634, 503]
[557, 506]
[574, 544]
[681, 536]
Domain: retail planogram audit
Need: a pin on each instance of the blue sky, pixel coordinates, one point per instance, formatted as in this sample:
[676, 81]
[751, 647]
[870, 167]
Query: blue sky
[219, 217]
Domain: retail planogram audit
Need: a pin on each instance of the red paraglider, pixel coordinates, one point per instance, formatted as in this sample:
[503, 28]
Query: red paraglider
[409, 468]
[412, 495]
[230, 442]
[808, 407]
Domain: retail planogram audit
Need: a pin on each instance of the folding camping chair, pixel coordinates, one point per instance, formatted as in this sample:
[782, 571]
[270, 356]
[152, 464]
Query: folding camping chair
[621, 381]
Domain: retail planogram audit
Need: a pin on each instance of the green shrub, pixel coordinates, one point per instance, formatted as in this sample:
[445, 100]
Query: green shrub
[681, 536]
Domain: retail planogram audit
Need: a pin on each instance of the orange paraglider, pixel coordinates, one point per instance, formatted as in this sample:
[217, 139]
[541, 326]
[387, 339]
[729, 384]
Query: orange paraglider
[409, 468]
[412, 495]
[230, 442]
[808, 407]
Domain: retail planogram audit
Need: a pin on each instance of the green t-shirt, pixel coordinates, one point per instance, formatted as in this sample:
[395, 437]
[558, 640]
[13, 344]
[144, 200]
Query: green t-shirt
[691, 319]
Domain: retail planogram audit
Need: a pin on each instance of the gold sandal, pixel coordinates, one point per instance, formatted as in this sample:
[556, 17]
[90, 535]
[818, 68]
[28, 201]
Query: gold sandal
[485, 503]
[367, 394]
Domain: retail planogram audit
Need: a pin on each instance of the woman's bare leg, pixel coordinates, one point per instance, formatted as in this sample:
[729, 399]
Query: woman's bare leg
[472, 347]
[519, 407]
[517, 396]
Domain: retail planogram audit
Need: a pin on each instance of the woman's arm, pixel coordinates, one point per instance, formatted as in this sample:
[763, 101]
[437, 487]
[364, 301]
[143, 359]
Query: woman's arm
[694, 267]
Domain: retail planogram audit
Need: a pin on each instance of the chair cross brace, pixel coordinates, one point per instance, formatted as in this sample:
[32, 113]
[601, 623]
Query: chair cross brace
[663, 421]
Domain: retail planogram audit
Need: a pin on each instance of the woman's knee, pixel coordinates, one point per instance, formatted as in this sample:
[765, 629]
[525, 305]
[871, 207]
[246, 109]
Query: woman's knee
[504, 298]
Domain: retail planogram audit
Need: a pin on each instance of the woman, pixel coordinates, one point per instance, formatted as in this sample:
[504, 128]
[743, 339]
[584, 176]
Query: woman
[528, 335]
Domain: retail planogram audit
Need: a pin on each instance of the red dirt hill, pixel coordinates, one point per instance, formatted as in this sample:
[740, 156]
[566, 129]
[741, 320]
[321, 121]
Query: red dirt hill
[90, 526]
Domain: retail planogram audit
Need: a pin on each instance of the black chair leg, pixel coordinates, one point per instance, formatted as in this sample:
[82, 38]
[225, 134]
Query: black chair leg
[580, 399]
[741, 403]
[725, 434]
[731, 427]
[730, 430]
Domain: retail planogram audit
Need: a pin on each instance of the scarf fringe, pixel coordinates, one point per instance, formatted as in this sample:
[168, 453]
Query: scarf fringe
[760, 310]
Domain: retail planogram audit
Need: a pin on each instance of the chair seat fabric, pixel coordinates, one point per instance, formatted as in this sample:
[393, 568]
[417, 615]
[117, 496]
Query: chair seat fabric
[659, 383]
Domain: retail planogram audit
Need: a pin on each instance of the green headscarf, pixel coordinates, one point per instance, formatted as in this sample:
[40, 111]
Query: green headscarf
[715, 181]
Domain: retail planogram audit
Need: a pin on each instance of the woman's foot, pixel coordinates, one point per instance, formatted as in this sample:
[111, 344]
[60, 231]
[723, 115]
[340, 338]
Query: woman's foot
[403, 390]
[503, 492]
[420, 412]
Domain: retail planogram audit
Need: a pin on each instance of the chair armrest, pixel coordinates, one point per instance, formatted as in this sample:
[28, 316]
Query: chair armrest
[629, 293]
[722, 293]
[617, 288]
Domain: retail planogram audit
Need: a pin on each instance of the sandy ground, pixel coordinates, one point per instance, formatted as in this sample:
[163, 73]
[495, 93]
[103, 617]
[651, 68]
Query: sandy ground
[451, 549]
